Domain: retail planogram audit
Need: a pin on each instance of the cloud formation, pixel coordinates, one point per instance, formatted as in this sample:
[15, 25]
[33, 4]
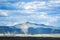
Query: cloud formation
[3, 13]
[45, 12]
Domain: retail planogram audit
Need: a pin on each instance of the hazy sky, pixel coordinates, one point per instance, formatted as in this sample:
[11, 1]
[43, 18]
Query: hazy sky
[35, 11]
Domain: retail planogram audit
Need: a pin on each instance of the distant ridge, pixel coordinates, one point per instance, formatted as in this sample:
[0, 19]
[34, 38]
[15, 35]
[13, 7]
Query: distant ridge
[29, 28]
[25, 26]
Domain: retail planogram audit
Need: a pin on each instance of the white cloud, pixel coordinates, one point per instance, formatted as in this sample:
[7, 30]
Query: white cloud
[14, 23]
[53, 3]
[3, 13]
[30, 5]
[39, 15]
[34, 5]
[44, 18]
[50, 18]
[46, 23]
[28, 11]
[23, 11]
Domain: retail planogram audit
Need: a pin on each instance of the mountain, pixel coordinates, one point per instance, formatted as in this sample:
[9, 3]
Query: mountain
[29, 28]
[33, 28]
[5, 29]
[10, 30]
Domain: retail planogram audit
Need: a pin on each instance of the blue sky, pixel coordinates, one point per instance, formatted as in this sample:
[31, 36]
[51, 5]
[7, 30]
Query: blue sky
[36, 11]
